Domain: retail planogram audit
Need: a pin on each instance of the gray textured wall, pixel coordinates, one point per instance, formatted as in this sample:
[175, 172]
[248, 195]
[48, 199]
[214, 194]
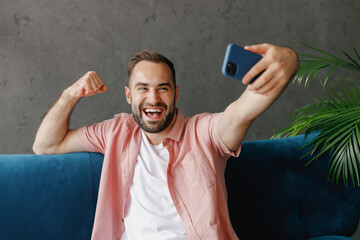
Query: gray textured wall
[45, 45]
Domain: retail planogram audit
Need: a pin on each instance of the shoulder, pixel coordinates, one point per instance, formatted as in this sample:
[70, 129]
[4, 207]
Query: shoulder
[97, 137]
[121, 120]
[112, 125]
[203, 125]
[122, 117]
[204, 118]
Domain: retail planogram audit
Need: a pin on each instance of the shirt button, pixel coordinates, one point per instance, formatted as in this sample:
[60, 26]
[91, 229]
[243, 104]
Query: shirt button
[122, 220]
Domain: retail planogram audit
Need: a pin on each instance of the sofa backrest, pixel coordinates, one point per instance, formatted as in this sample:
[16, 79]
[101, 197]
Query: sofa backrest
[273, 195]
[48, 196]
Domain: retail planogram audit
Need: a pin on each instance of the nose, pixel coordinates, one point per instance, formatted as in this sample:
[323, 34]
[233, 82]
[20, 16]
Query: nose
[153, 97]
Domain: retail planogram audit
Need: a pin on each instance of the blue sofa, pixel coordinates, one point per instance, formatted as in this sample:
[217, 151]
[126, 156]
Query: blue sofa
[272, 195]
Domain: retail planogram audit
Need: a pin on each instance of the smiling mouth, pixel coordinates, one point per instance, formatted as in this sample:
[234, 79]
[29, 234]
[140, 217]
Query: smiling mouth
[153, 113]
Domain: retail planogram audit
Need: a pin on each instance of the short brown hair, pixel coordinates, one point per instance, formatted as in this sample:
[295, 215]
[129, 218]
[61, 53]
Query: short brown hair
[151, 56]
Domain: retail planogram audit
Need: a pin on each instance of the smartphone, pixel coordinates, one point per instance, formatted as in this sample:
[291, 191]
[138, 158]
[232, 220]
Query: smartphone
[238, 62]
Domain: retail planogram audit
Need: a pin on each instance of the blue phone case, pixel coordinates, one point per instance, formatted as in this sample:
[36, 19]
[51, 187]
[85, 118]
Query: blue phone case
[238, 62]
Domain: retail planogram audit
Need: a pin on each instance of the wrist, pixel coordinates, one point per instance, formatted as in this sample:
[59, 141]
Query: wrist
[67, 97]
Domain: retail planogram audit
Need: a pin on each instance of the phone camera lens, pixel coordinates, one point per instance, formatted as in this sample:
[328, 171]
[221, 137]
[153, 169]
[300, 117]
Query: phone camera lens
[231, 68]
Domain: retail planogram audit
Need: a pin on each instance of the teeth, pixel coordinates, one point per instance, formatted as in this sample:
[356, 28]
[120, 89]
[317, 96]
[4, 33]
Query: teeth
[152, 110]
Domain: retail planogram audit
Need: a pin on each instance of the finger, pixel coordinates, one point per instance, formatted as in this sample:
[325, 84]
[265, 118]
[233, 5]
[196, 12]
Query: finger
[269, 92]
[97, 77]
[88, 89]
[94, 82]
[254, 71]
[264, 79]
[98, 80]
[94, 76]
[258, 48]
[97, 83]
[104, 88]
[266, 87]
[275, 87]
[272, 90]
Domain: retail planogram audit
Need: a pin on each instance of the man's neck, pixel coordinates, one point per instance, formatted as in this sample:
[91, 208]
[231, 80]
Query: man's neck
[157, 138]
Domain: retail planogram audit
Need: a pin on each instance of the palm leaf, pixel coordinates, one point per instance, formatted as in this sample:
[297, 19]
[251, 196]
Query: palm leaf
[351, 59]
[338, 120]
[356, 54]
[311, 65]
[320, 51]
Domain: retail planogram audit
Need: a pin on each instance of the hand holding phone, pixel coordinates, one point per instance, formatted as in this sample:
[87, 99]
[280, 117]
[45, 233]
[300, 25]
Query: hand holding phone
[238, 62]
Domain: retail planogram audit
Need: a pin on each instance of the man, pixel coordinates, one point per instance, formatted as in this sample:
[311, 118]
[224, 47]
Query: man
[163, 173]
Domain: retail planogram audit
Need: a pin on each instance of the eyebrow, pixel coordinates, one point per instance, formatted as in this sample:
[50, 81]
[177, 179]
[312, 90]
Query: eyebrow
[141, 84]
[164, 84]
[146, 84]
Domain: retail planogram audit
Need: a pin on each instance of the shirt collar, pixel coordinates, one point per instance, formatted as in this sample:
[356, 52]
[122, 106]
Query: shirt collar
[177, 129]
[130, 123]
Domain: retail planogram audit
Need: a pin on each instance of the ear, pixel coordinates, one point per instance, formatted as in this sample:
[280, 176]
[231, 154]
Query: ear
[128, 94]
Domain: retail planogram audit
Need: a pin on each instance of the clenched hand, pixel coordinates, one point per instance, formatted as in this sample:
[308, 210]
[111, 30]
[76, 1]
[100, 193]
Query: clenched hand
[88, 85]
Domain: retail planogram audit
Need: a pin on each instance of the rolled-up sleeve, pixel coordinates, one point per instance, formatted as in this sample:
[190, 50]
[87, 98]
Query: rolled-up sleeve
[87, 138]
[208, 129]
[217, 138]
[94, 137]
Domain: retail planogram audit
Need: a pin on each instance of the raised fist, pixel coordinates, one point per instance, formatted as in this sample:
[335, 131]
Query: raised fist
[88, 85]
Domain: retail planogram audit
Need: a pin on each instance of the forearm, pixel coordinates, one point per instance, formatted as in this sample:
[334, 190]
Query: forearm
[54, 126]
[233, 127]
[250, 105]
[239, 115]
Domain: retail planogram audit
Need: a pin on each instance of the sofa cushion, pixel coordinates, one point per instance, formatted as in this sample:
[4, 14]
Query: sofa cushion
[262, 197]
[324, 208]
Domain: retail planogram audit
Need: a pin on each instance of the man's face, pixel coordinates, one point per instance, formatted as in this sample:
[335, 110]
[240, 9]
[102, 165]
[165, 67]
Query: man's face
[152, 96]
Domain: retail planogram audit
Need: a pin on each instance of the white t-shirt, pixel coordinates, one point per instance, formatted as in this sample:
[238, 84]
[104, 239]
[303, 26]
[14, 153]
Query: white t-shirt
[150, 212]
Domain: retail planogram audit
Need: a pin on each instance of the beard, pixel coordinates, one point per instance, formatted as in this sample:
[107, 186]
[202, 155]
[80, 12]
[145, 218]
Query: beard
[155, 127]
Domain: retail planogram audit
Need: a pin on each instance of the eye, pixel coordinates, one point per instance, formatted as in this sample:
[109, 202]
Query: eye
[164, 89]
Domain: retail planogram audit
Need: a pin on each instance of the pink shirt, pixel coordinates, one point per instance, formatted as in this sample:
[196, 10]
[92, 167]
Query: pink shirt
[195, 173]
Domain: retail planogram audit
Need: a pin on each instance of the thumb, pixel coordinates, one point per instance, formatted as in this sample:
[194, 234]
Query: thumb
[258, 48]
[104, 88]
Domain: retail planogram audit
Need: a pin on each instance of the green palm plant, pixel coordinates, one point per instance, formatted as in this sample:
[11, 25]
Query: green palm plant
[336, 119]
